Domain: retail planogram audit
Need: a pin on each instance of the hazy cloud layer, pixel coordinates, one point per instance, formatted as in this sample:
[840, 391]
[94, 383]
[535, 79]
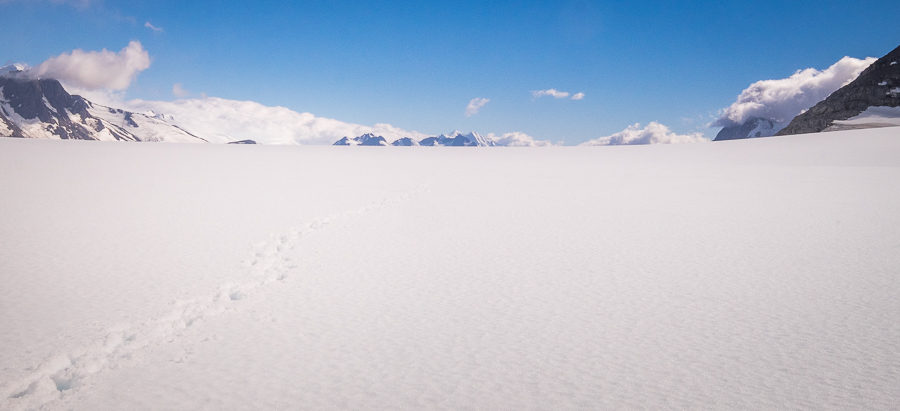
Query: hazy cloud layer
[475, 105]
[653, 133]
[97, 69]
[783, 99]
[221, 120]
[557, 94]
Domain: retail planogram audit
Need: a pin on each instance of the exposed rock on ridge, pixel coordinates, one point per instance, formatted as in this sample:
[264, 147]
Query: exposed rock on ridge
[876, 86]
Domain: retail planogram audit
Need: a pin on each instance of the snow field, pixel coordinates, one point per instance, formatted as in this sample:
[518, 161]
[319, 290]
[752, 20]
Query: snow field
[747, 274]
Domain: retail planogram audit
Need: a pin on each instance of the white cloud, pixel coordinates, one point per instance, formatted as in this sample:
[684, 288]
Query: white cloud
[783, 99]
[475, 105]
[179, 91]
[97, 69]
[557, 94]
[516, 139]
[220, 120]
[552, 92]
[654, 133]
[154, 28]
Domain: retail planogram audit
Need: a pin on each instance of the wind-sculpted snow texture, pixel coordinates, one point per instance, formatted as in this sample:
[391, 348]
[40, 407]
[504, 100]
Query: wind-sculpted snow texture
[754, 274]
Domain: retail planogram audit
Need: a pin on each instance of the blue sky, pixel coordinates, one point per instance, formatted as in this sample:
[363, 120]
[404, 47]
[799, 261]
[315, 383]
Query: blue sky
[416, 65]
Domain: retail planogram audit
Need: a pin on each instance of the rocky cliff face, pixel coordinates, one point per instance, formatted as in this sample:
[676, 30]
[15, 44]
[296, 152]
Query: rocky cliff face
[754, 127]
[877, 86]
[47, 102]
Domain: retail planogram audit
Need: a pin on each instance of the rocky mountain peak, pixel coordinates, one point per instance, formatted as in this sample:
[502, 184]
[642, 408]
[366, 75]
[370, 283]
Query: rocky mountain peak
[877, 86]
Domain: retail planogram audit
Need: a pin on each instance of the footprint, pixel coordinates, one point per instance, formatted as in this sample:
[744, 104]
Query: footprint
[267, 263]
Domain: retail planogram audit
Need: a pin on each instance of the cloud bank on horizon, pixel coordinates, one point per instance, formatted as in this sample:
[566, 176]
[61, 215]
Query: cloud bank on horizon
[223, 120]
[653, 133]
[783, 99]
[102, 76]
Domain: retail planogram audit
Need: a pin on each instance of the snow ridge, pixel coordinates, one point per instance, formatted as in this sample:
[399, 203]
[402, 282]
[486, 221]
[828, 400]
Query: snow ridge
[269, 263]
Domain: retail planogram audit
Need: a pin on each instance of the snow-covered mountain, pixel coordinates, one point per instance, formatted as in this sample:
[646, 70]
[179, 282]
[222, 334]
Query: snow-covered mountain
[866, 102]
[42, 108]
[454, 139]
[367, 139]
[405, 141]
[457, 139]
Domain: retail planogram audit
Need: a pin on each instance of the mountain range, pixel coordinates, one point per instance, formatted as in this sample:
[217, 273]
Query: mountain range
[454, 139]
[42, 108]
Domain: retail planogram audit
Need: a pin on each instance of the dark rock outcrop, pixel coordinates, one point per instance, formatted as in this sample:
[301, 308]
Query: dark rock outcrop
[754, 127]
[42, 108]
[242, 142]
[878, 85]
[46, 100]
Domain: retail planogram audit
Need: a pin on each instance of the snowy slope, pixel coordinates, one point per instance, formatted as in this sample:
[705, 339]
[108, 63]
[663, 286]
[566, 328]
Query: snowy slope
[872, 117]
[753, 274]
[145, 126]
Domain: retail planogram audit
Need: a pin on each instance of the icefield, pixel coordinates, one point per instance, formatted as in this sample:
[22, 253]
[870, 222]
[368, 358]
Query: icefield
[748, 274]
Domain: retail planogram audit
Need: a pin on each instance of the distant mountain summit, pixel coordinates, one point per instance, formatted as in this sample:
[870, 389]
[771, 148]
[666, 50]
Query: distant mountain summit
[457, 139]
[367, 139]
[42, 108]
[752, 128]
[876, 88]
[405, 141]
[454, 139]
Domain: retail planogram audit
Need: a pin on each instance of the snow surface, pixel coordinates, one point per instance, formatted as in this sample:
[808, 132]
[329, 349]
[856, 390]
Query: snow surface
[875, 116]
[755, 274]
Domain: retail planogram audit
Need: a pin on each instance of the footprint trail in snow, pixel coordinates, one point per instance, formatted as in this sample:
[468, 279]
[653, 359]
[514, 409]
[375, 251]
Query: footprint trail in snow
[268, 264]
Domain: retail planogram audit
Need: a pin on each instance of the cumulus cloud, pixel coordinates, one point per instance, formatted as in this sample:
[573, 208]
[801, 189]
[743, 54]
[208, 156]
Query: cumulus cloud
[475, 105]
[654, 133]
[516, 139]
[557, 94]
[220, 120]
[179, 91]
[153, 28]
[92, 70]
[783, 99]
